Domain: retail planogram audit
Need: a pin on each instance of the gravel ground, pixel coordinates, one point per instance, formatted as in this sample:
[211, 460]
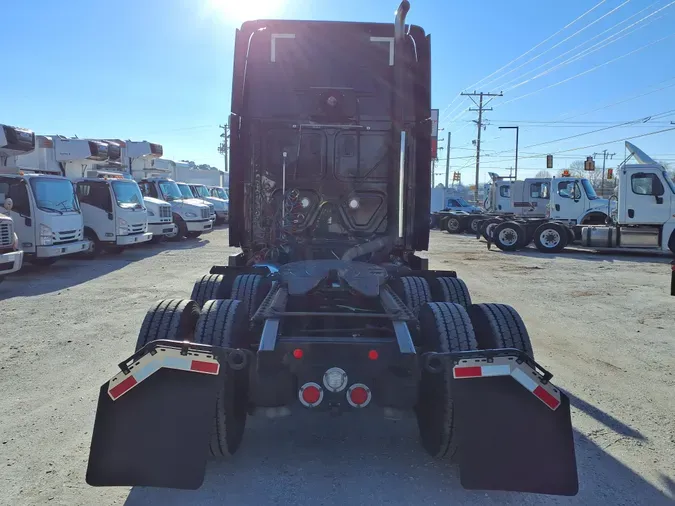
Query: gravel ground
[603, 325]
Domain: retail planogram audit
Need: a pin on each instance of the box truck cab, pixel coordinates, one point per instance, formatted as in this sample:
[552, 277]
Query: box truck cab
[11, 257]
[188, 193]
[191, 216]
[139, 154]
[223, 194]
[574, 200]
[45, 212]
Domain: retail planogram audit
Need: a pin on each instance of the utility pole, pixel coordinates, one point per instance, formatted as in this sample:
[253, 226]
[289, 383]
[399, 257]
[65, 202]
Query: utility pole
[479, 124]
[604, 159]
[223, 147]
[447, 161]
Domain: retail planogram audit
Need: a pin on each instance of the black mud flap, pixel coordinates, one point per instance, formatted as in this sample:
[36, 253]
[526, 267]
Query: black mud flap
[157, 433]
[511, 440]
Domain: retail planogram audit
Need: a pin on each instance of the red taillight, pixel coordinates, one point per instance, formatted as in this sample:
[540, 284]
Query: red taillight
[298, 353]
[359, 395]
[373, 355]
[310, 394]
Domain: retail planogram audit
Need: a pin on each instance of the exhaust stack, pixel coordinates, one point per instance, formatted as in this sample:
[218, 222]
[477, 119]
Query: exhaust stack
[399, 104]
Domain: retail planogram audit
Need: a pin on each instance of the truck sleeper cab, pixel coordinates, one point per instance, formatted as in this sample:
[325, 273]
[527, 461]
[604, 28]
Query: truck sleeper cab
[191, 217]
[114, 215]
[11, 257]
[46, 214]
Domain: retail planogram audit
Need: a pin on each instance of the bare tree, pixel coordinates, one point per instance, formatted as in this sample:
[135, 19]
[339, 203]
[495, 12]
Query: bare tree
[543, 174]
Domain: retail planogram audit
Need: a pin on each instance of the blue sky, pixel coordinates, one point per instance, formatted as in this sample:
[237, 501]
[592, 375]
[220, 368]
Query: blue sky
[161, 70]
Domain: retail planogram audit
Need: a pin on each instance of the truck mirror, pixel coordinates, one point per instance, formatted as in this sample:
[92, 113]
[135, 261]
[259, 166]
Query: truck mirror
[8, 204]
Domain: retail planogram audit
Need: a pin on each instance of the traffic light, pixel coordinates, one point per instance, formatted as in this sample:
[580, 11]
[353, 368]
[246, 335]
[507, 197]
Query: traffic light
[549, 161]
[610, 173]
[456, 176]
[589, 164]
[565, 173]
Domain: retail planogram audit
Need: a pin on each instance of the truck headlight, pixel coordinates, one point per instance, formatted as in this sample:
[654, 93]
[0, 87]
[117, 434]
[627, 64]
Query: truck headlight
[190, 215]
[150, 213]
[122, 226]
[46, 237]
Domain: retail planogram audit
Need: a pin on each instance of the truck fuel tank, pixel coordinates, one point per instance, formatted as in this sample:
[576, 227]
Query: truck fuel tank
[626, 237]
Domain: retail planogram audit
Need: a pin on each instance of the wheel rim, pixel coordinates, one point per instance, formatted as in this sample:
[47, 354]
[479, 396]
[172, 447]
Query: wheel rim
[173, 234]
[549, 238]
[508, 237]
[490, 228]
[92, 245]
[453, 224]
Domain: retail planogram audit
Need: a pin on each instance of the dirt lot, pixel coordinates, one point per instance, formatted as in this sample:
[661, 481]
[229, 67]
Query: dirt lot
[604, 326]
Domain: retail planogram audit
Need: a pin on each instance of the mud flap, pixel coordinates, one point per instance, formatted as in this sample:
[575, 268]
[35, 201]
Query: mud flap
[156, 432]
[511, 440]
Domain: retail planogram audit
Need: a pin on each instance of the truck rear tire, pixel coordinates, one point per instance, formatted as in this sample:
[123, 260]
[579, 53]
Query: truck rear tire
[413, 291]
[224, 323]
[473, 224]
[445, 327]
[454, 225]
[487, 227]
[250, 289]
[207, 288]
[509, 236]
[450, 290]
[499, 326]
[551, 237]
[173, 319]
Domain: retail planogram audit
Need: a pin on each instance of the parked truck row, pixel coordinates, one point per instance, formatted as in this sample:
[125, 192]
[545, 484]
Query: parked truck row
[63, 196]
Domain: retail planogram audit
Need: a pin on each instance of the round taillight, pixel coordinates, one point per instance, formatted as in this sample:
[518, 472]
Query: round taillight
[310, 394]
[373, 355]
[359, 395]
[298, 353]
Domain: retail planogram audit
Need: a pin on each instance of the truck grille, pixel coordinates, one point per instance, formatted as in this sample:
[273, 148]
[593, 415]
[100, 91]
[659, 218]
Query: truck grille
[137, 228]
[206, 214]
[65, 236]
[6, 234]
[165, 211]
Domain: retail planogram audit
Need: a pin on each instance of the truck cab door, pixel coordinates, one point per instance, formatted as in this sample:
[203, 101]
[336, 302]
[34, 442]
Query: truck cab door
[22, 211]
[537, 193]
[503, 197]
[567, 200]
[648, 200]
[97, 209]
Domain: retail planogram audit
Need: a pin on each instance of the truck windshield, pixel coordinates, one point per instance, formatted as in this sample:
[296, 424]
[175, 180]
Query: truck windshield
[185, 191]
[170, 191]
[54, 195]
[202, 191]
[588, 187]
[127, 194]
[220, 193]
[669, 180]
[463, 202]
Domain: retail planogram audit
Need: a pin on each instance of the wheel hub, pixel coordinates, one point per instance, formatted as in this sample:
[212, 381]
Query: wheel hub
[508, 237]
[550, 238]
[453, 224]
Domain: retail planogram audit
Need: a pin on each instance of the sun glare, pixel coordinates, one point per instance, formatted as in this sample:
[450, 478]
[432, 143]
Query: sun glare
[238, 11]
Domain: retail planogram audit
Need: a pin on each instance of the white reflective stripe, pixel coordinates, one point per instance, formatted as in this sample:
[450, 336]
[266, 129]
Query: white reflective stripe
[181, 363]
[524, 379]
[495, 370]
[145, 371]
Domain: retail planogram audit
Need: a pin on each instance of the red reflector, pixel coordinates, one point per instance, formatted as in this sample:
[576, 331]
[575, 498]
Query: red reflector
[468, 372]
[373, 355]
[124, 385]
[359, 395]
[548, 399]
[207, 367]
[298, 353]
[311, 394]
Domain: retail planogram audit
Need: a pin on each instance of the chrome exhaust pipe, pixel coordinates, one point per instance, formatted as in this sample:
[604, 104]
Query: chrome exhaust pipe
[399, 107]
[399, 22]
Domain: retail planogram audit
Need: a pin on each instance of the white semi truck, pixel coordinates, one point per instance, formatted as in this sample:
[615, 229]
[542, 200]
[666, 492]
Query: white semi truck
[188, 193]
[11, 257]
[191, 216]
[44, 209]
[220, 205]
[112, 206]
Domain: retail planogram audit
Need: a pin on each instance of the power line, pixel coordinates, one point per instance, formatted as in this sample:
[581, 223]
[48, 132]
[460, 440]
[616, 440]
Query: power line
[589, 70]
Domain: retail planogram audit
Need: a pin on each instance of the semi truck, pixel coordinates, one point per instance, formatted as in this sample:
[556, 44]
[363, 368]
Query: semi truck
[112, 206]
[191, 217]
[640, 218]
[44, 209]
[220, 206]
[189, 193]
[327, 306]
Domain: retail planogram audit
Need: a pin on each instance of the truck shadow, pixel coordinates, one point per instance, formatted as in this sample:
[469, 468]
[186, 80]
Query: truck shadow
[655, 258]
[604, 418]
[362, 459]
[70, 271]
